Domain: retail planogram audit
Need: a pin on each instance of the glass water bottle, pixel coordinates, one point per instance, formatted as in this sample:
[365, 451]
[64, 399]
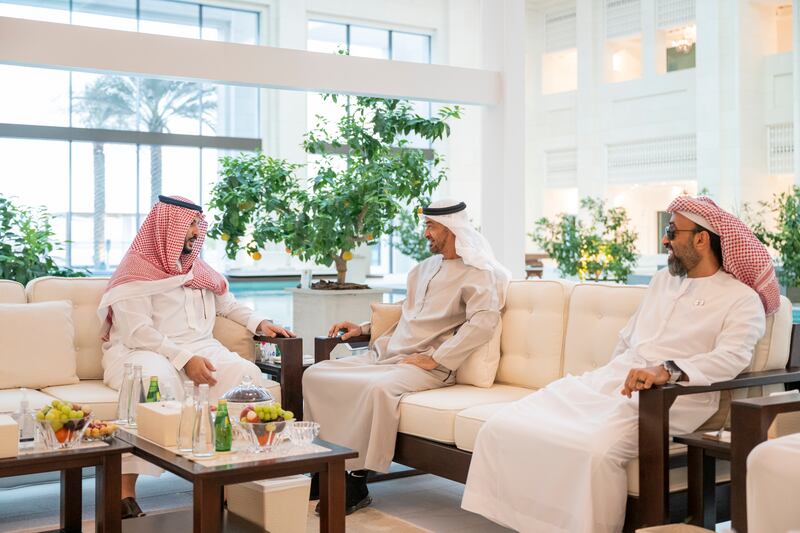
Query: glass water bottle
[203, 434]
[124, 401]
[186, 425]
[137, 395]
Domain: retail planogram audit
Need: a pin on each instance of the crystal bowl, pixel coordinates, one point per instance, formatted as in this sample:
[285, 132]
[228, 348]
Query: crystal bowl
[303, 433]
[67, 436]
[264, 435]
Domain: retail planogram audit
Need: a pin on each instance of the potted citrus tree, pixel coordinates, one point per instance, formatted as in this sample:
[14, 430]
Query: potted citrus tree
[600, 247]
[365, 174]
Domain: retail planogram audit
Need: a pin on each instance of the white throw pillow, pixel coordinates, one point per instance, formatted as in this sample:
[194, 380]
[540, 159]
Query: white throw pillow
[480, 368]
[38, 345]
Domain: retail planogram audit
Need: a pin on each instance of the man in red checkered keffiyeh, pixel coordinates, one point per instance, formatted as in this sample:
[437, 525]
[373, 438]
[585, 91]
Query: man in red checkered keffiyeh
[698, 323]
[159, 311]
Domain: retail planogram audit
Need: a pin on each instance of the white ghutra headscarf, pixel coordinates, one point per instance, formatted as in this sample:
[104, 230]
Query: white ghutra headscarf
[471, 246]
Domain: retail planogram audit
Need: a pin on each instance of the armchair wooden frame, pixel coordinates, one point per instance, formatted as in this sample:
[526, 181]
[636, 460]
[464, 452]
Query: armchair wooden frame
[291, 371]
[655, 505]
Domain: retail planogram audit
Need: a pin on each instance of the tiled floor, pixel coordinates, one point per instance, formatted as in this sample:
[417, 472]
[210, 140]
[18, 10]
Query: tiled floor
[427, 501]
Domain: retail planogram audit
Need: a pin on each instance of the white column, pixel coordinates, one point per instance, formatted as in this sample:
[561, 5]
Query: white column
[592, 173]
[503, 165]
[796, 70]
[649, 41]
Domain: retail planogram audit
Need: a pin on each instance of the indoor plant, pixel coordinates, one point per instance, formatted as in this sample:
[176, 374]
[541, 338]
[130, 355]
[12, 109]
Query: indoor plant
[366, 173]
[26, 241]
[602, 249]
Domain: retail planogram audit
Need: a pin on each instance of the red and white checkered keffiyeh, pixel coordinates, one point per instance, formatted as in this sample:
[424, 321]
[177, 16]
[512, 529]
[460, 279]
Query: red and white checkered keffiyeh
[155, 253]
[743, 255]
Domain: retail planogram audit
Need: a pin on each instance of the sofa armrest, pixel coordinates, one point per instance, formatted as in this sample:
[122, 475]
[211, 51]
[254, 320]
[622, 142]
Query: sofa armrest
[291, 373]
[323, 346]
[654, 405]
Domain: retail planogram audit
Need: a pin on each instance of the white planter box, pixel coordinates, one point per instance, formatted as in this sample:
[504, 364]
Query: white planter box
[279, 505]
[314, 312]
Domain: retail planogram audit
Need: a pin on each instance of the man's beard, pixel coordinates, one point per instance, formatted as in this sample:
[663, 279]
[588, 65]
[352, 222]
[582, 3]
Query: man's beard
[186, 249]
[680, 266]
[434, 248]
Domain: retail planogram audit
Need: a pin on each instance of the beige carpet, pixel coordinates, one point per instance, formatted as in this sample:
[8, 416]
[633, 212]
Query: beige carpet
[364, 521]
[367, 520]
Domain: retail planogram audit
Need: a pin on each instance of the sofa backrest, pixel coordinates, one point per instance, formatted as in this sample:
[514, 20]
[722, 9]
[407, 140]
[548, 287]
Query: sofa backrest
[85, 294]
[533, 332]
[597, 313]
[11, 292]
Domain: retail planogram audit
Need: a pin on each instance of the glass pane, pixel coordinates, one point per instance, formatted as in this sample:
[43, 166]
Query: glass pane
[327, 37]
[168, 170]
[169, 18]
[103, 193]
[45, 10]
[229, 25]
[170, 106]
[104, 101]
[230, 111]
[36, 172]
[411, 47]
[369, 42]
[110, 14]
[34, 96]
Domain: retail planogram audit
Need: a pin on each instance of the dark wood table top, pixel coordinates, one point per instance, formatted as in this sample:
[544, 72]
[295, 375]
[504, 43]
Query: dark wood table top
[714, 447]
[190, 470]
[56, 458]
[275, 368]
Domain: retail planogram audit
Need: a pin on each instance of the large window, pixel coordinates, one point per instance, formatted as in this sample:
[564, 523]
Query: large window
[333, 37]
[95, 149]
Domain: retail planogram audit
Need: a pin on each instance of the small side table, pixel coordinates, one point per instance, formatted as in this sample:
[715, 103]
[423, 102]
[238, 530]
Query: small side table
[702, 476]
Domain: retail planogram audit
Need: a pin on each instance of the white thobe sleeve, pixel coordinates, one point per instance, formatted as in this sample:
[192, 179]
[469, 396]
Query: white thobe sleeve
[134, 324]
[228, 307]
[743, 326]
[483, 315]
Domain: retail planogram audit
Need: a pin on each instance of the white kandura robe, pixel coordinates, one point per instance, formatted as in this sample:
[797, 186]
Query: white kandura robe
[773, 481]
[356, 400]
[160, 325]
[555, 460]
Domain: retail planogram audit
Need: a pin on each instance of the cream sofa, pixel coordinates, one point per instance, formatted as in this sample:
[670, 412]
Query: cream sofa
[550, 328]
[85, 294]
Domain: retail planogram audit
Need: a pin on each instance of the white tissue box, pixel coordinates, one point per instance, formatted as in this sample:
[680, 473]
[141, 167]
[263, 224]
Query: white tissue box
[279, 504]
[159, 421]
[9, 437]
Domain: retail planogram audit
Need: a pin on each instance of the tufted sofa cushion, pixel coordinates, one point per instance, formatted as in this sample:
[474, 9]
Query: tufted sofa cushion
[533, 331]
[597, 313]
[11, 292]
[85, 294]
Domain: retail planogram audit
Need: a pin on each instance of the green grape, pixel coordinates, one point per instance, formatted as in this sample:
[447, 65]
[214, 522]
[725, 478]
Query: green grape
[56, 425]
[39, 415]
[288, 415]
[65, 409]
[79, 414]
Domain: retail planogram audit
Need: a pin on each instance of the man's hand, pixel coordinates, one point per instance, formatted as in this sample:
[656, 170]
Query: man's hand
[644, 378]
[199, 369]
[351, 330]
[268, 329]
[425, 362]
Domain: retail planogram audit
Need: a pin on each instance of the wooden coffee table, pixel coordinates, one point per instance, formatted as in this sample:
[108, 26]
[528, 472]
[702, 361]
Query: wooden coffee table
[208, 481]
[107, 461]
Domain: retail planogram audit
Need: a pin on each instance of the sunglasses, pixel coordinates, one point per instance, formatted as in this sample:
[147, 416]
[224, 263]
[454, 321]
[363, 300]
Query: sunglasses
[670, 232]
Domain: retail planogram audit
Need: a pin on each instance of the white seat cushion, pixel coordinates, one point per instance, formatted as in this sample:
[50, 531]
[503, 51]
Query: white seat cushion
[102, 399]
[431, 414]
[10, 398]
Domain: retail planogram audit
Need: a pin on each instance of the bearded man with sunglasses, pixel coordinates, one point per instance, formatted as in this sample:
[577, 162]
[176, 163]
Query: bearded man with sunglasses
[555, 460]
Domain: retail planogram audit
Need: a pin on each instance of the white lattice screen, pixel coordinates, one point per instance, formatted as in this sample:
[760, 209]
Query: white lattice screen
[561, 167]
[559, 29]
[673, 13]
[780, 148]
[623, 18]
[661, 159]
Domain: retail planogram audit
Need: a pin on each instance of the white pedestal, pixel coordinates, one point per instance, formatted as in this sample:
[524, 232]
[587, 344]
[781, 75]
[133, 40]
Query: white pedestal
[314, 312]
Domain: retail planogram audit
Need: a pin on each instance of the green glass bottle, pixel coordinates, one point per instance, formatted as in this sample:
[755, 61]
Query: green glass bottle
[153, 394]
[223, 432]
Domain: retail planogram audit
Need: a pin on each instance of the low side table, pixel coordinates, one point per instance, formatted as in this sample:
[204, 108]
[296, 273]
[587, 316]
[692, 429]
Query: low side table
[107, 461]
[702, 472]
